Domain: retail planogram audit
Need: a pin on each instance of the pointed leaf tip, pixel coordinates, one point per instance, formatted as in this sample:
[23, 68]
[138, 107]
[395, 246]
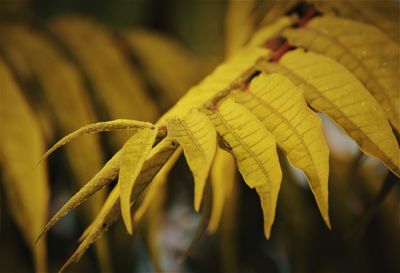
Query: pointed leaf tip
[198, 138]
[134, 154]
[104, 126]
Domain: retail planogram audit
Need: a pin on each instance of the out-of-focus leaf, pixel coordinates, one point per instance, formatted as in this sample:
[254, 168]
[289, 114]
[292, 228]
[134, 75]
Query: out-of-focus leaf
[330, 88]
[197, 136]
[118, 87]
[277, 9]
[363, 49]
[239, 24]
[168, 65]
[223, 78]
[61, 86]
[255, 151]
[270, 31]
[382, 14]
[21, 144]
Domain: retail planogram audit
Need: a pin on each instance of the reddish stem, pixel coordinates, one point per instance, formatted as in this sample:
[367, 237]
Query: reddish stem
[310, 13]
[285, 47]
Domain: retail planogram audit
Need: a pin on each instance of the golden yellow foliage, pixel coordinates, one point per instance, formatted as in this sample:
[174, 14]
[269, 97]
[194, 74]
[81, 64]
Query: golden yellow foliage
[280, 105]
[133, 156]
[258, 99]
[102, 178]
[21, 144]
[382, 14]
[168, 65]
[156, 186]
[118, 87]
[254, 148]
[223, 177]
[197, 136]
[225, 77]
[239, 25]
[363, 49]
[270, 31]
[330, 88]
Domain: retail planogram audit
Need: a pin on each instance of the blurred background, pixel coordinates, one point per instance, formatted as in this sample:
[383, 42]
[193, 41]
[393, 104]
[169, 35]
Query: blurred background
[70, 63]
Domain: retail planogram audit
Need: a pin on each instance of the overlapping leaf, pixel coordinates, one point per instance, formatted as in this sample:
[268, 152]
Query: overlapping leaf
[227, 75]
[102, 178]
[158, 182]
[382, 14]
[119, 88]
[255, 151]
[111, 210]
[64, 93]
[330, 88]
[280, 105]
[134, 154]
[67, 100]
[197, 136]
[270, 31]
[271, 110]
[277, 8]
[223, 177]
[363, 49]
[109, 213]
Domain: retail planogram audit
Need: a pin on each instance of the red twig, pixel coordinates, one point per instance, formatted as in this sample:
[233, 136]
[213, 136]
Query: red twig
[310, 13]
[285, 47]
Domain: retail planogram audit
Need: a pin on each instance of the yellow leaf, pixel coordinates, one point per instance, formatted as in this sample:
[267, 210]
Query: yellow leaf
[223, 176]
[277, 9]
[104, 177]
[223, 78]
[361, 48]
[280, 105]
[270, 31]
[63, 92]
[133, 155]
[147, 48]
[197, 136]
[158, 181]
[255, 151]
[229, 227]
[119, 89]
[21, 144]
[330, 88]
[111, 211]
[239, 24]
[104, 126]
[382, 14]
[63, 103]
[152, 209]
